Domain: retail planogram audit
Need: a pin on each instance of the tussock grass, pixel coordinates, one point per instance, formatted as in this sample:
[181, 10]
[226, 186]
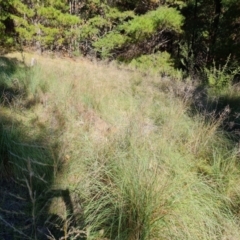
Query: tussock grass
[128, 160]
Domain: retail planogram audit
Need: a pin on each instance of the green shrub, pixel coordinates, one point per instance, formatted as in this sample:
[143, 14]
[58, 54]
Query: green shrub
[139, 29]
[220, 78]
[158, 63]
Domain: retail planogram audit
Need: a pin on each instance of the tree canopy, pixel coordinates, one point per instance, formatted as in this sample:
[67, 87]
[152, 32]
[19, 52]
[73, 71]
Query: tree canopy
[194, 32]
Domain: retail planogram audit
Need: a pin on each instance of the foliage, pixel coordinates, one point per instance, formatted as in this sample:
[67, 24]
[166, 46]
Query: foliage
[164, 19]
[221, 78]
[140, 28]
[192, 32]
[110, 42]
[5, 23]
[43, 23]
[97, 27]
[157, 63]
[209, 32]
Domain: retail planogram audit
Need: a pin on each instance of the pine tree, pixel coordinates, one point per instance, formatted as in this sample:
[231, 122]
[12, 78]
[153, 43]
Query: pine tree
[42, 23]
[143, 34]
[6, 23]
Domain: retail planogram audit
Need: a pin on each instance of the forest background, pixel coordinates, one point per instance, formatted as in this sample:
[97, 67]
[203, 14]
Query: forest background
[190, 35]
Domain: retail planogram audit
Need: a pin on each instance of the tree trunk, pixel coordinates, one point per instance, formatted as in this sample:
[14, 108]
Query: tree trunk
[215, 26]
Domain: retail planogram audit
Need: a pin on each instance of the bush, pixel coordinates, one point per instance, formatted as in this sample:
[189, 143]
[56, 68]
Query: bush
[158, 63]
[220, 78]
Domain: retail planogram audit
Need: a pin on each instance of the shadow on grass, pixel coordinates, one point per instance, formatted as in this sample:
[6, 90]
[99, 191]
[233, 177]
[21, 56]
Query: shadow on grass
[29, 164]
[225, 106]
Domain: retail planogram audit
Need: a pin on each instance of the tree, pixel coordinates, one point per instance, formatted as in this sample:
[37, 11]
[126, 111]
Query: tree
[6, 23]
[42, 23]
[143, 34]
[210, 33]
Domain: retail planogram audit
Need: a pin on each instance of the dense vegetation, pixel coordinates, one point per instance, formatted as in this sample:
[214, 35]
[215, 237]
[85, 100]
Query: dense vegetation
[195, 33]
[142, 145]
[90, 156]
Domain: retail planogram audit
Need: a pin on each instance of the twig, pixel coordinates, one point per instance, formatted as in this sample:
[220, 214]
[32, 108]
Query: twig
[12, 227]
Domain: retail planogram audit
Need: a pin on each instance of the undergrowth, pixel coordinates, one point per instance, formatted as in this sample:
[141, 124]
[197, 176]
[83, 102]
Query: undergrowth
[117, 156]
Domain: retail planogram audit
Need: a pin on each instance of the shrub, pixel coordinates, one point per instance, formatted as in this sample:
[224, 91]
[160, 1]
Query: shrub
[158, 63]
[220, 78]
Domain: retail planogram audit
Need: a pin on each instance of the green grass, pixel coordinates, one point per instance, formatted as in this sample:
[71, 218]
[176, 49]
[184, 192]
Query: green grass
[120, 154]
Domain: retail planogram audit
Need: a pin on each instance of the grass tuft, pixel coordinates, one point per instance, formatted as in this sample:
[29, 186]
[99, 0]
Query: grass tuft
[107, 153]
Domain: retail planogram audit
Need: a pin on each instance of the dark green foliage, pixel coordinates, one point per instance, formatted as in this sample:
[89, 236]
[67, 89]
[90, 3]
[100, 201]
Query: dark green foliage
[141, 28]
[210, 33]
[158, 63]
[228, 39]
[195, 33]
[44, 24]
[6, 23]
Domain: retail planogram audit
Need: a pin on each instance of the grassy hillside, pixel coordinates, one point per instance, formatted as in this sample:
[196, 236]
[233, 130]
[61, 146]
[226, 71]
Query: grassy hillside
[93, 151]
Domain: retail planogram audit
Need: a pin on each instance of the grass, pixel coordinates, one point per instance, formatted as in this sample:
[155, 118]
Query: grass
[121, 156]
